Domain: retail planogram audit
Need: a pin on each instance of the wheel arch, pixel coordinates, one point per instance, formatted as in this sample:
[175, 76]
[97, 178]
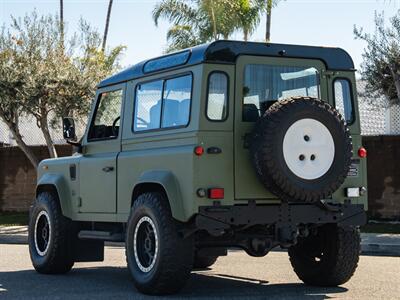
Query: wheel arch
[56, 184]
[164, 182]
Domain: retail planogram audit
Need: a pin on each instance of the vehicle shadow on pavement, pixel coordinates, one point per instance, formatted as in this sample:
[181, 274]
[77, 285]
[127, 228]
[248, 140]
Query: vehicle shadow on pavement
[113, 282]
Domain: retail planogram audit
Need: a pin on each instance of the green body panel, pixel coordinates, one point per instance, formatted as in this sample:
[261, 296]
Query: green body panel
[171, 186]
[56, 173]
[355, 130]
[166, 157]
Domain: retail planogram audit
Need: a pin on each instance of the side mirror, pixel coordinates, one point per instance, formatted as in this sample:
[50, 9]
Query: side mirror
[69, 129]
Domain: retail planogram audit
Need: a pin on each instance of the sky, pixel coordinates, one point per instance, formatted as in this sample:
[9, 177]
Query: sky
[307, 22]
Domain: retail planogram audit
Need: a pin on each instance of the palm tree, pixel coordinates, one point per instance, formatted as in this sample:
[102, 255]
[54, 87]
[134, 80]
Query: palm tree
[269, 5]
[194, 22]
[62, 22]
[269, 20]
[247, 14]
[103, 46]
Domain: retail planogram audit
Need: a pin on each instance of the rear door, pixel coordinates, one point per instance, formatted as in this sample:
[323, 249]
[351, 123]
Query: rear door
[260, 81]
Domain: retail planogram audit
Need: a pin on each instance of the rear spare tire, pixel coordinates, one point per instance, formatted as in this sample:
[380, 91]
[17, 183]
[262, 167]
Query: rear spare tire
[301, 149]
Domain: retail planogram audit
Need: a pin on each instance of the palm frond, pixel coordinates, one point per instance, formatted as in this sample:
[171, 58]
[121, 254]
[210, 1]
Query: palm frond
[177, 12]
[181, 37]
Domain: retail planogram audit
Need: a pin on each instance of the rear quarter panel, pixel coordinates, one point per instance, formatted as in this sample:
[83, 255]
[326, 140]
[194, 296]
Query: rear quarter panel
[169, 150]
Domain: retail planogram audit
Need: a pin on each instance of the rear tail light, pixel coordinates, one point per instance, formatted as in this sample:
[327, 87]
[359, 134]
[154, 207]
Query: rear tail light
[216, 193]
[362, 152]
[199, 150]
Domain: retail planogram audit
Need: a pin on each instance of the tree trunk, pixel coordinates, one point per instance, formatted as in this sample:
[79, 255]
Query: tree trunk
[396, 79]
[62, 22]
[214, 21]
[245, 35]
[46, 133]
[269, 20]
[22, 145]
[103, 47]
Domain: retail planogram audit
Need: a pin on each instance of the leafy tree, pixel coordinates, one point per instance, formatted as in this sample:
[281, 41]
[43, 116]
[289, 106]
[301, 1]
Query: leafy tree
[12, 78]
[54, 79]
[381, 58]
[201, 21]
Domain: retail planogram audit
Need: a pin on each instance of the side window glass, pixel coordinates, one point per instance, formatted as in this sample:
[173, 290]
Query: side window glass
[217, 101]
[106, 121]
[148, 106]
[343, 99]
[176, 101]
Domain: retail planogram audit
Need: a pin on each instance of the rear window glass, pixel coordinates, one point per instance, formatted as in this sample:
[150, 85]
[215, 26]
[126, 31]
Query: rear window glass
[266, 84]
[343, 99]
[217, 101]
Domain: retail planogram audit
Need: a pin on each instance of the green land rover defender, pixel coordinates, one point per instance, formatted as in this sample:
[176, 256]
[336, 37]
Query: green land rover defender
[225, 145]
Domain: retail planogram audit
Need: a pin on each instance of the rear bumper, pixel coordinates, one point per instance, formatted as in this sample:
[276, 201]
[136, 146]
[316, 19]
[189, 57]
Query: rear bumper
[213, 218]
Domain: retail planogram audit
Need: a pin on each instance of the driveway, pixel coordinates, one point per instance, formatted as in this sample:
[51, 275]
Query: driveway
[236, 276]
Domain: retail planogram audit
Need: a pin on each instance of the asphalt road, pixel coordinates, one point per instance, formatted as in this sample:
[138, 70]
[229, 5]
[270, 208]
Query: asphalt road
[235, 276]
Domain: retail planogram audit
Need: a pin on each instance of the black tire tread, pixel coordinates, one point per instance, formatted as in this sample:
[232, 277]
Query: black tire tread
[60, 260]
[202, 262]
[339, 267]
[177, 253]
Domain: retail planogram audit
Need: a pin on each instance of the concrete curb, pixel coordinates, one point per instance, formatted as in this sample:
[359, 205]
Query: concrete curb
[371, 243]
[380, 244]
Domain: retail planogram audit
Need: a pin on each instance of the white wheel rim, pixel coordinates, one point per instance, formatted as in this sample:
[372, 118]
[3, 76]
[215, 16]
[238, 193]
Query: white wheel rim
[308, 149]
[143, 220]
[42, 252]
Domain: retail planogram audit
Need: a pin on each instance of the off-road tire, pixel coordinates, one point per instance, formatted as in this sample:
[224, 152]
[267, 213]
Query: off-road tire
[58, 259]
[174, 260]
[266, 148]
[340, 247]
[203, 262]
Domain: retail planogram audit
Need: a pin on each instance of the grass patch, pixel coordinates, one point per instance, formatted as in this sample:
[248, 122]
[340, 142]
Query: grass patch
[381, 228]
[13, 218]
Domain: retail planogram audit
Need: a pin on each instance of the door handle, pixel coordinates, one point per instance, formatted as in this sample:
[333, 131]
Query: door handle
[108, 169]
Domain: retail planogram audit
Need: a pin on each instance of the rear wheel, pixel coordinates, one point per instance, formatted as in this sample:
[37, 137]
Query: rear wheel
[328, 258]
[50, 236]
[202, 261]
[159, 258]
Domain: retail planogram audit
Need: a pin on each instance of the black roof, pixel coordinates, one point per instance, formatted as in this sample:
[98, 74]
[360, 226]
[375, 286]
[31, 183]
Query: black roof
[227, 52]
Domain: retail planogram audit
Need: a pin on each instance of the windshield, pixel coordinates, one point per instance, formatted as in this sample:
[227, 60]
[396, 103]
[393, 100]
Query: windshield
[266, 84]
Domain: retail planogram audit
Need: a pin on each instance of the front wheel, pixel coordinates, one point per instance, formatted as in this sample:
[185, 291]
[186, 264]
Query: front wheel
[159, 258]
[50, 236]
[327, 258]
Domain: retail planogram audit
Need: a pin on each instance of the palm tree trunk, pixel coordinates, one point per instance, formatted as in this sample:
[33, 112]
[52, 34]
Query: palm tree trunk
[103, 47]
[62, 22]
[214, 21]
[269, 19]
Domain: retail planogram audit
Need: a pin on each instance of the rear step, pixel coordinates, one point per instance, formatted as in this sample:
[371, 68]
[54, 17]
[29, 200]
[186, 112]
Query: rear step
[101, 235]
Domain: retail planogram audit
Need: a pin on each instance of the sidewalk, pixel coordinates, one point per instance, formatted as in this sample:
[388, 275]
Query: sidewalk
[371, 243]
[13, 234]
